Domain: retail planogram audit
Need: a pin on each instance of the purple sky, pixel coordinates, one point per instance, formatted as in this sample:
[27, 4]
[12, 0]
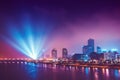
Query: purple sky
[71, 23]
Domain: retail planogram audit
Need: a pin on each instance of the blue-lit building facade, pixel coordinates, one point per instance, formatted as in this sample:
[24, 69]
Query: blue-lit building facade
[89, 48]
[99, 49]
[80, 57]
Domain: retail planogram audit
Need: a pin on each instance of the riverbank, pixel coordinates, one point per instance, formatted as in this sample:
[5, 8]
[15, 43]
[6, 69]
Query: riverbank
[66, 65]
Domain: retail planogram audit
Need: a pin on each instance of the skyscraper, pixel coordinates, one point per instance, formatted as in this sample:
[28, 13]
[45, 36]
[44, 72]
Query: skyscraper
[91, 42]
[99, 49]
[85, 49]
[54, 54]
[90, 46]
[64, 53]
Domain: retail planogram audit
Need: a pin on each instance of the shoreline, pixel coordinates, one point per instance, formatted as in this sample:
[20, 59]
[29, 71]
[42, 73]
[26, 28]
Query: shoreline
[115, 66]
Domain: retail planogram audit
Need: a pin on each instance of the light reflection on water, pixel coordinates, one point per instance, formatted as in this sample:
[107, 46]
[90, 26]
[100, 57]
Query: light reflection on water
[107, 72]
[117, 73]
[31, 71]
[96, 73]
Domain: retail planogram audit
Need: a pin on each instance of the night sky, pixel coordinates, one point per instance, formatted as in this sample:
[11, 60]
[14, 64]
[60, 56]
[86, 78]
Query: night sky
[64, 23]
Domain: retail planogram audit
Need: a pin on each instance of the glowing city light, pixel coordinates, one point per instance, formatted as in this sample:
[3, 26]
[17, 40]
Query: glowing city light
[104, 50]
[114, 49]
[28, 40]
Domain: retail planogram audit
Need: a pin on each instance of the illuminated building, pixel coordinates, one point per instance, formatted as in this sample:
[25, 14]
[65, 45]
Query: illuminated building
[106, 56]
[54, 54]
[117, 56]
[91, 42]
[85, 49]
[110, 56]
[99, 49]
[104, 51]
[64, 53]
[89, 48]
[82, 57]
[114, 50]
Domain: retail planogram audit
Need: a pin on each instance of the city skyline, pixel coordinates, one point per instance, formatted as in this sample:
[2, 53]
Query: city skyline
[61, 54]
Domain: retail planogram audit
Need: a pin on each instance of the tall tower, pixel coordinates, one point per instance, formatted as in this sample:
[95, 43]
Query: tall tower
[91, 42]
[90, 46]
[64, 53]
[54, 53]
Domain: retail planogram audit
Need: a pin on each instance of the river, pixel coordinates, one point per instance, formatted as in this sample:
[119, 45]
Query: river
[31, 71]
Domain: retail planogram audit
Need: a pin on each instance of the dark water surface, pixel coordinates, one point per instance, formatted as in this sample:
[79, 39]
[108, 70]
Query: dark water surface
[31, 71]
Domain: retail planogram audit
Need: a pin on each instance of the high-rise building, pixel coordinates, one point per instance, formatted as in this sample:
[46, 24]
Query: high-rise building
[85, 49]
[91, 42]
[54, 54]
[99, 49]
[64, 53]
[90, 46]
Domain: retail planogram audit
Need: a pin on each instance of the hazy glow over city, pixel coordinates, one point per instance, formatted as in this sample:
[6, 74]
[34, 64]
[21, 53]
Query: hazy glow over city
[55, 26]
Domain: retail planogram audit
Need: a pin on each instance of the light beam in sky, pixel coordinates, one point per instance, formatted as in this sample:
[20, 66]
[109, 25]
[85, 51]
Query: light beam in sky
[28, 40]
